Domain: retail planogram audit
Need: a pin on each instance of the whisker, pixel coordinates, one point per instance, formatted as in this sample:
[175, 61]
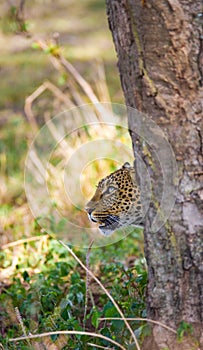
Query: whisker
[112, 220]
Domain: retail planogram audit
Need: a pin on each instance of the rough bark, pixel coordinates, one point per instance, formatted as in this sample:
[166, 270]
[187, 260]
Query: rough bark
[160, 61]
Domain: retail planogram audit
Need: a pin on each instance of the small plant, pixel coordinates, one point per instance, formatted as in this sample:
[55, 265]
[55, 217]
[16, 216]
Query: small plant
[54, 298]
[184, 329]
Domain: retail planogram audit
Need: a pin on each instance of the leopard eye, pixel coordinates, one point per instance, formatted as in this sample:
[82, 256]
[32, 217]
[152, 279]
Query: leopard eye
[110, 189]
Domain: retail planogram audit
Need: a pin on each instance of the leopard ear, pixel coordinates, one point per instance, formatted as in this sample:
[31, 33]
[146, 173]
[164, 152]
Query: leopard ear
[131, 172]
[126, 165]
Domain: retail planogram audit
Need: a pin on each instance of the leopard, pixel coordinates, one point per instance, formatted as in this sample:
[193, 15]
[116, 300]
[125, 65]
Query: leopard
[116, 202]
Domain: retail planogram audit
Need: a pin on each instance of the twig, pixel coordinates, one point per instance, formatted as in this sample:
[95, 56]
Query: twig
[58, 60]
[58, 93]
[101, 84]
[70, 68]
[67, 332]
[87, 282]
[47, 85]
[19, 318]
[106, 292]
[80, 80]
[91, 298]
[139, 319]
[99, 346]
[22, 241]
[28, 106]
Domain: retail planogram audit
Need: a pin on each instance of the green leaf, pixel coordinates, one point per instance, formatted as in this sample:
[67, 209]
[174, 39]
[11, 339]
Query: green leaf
[183, 329]
[110, 310]
[54, 337]
[26, 276]
[95, 318]
[75, 278]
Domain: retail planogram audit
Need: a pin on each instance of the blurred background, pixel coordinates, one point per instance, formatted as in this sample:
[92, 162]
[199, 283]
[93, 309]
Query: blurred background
[56, 55]
[35, 85]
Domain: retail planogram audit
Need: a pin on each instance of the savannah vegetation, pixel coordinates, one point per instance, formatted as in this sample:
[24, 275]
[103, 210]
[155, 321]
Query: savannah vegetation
[54, 56]
[43, 288]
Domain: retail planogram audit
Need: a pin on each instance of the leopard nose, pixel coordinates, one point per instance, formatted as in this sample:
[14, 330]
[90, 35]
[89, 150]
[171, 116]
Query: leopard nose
[89, 210]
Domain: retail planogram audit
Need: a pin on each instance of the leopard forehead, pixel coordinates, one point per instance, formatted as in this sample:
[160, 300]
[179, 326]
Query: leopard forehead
[125, 192]
[120, 178]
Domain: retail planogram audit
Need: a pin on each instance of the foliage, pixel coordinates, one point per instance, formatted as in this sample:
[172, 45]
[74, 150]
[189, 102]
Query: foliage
[184, 329]
[54, 298]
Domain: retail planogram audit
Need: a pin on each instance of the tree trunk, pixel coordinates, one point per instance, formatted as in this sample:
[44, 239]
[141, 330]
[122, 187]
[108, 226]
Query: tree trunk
[159, 45]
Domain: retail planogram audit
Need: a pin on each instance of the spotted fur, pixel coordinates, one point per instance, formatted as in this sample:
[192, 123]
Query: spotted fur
[116, 202]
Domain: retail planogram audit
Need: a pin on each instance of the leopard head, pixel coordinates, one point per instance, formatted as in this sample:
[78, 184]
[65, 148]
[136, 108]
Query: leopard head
[116, 202]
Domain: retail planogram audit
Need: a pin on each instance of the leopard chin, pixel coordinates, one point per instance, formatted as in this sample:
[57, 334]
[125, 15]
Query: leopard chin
[107, 229]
